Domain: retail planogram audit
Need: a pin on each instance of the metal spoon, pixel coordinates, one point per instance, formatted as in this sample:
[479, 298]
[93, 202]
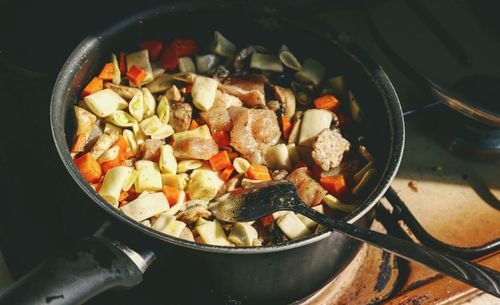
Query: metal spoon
[270, 197]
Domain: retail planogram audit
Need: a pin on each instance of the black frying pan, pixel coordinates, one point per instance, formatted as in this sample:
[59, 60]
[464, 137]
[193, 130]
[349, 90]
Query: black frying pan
[119, 254]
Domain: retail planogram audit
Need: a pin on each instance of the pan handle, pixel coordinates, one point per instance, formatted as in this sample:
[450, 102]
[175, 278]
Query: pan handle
[73, 277]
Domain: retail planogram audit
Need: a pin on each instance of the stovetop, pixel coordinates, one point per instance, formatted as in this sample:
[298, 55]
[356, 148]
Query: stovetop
[454, 198]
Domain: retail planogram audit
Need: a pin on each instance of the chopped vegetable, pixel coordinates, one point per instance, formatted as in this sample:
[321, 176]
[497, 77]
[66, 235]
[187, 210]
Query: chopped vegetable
[288, 59]
[187, 165]
[194, 125]
[243, 234]
[173, 180]
[149, 103]
[140, 59]
[136, 75]
[107, 72]
[200, 132]
[266, 62]
[204, 184]
[184, 47]
[335, 204]
[220, 161]
[154, 128]
[222, 138]
[222, 46]
[146, 206]
[364, 180]
[327, 102]
[335, 185]
[96, 84]
[186, 64]
[167, 162]
[312, 72]
[136, 106]
[121, 119]
[226, 173]
[160, 84]
[122, 64]
[172, 194]
[203, 92]
[277, 157]
[116, 70]
[124, 91]
[104, 102]
[169, 58]
[311, 224]
[113, 183]
[206, 63]
[291, 225]
[212, 233]
[267, 220]
[149, 178]
[287, 126]
[258, 172]
[313, 123]
[163, 110]
[241, 165]
[154, 48]
[88, 167]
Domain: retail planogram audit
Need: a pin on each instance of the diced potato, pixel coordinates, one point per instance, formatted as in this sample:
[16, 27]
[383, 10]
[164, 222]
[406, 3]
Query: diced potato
[243, 234]
[178, 205]
[293, 153]
[166, 223]
[141, 60]
[149, 103]
[186, 165]
[104, 102]
[313, 123]
[144, 207]
[154, 128]
[136, 106]
[211, 233]
[311, 224]
[160, 84]
[162, 221]
[200, 132]
[175, 228]
[204, 184]
[149, 178]
[186, 64]
[174, 180]
[113, 183]
[109, 126]
[203, 92]
[277, 157]
[167, 161]
[291, 225]
[241, 165]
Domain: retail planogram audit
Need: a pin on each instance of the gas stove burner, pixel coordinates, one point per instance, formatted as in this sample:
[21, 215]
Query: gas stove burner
[472, 139]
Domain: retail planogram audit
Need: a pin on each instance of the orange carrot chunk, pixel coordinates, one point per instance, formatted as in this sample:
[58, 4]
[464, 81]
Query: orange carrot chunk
[89, 168]
[193, 124]
[335, 185]
[258, 172]
[172, 194]
[96, 84]
[220, 161]
[222, 138]
[136, 75]
[107, 72]
[287, 126]
[328, 102]
[154, 48]
[226, 173]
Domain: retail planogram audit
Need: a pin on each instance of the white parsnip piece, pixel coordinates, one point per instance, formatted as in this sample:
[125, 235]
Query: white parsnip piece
[278, 157]
[113, 183]
[149, 178]
[105, 102]
[314, 121]
[200, 132]
[311, 224]
[146, 206]
[291, 225]
[167, 162]
[243, 234]
[212, 233]
[204, 184]
[203, 92]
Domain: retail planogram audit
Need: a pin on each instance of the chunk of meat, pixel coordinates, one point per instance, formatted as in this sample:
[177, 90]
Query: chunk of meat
[150, 149]
[217, 117]
[195, 148]
[254, 130]
[287, 98]
[250, 90]
[329, 148]
[180, 116]
[227, 99]
[310, 191]
[191, 214]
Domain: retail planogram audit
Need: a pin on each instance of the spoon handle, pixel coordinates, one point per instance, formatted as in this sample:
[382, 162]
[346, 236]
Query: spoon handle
[481, 277]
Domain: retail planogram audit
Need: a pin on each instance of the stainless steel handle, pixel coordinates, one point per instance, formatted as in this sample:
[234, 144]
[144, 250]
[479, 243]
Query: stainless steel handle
[481, 277]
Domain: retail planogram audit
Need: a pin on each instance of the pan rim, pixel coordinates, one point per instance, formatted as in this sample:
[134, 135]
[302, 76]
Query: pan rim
[372, 70]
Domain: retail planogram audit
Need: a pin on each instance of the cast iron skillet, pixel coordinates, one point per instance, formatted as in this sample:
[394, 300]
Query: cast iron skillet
[264, 275]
